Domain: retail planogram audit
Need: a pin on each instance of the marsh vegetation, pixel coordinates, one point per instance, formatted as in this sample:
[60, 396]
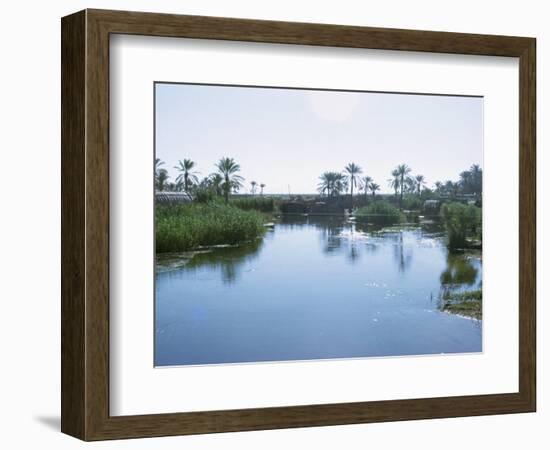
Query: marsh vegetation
[467, 303]
[181, 228]
[207, 222]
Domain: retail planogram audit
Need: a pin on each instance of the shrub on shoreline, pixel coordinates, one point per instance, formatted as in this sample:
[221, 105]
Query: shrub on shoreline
[461, 222]
[186, 227]
[379, 213]
[412, 203]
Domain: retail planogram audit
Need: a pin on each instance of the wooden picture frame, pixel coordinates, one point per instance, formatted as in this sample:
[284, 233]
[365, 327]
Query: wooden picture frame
[85, 224]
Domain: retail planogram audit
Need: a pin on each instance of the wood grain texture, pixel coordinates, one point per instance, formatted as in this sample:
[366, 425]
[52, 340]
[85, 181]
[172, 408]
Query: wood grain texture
[85, 224]
[527, 224]
[73, 226]
[201, 27]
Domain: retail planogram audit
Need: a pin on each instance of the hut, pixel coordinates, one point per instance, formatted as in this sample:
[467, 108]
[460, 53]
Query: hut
[172, 198]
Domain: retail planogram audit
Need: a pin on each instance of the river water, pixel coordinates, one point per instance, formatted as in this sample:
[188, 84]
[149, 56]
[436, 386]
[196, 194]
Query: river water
[314, 288]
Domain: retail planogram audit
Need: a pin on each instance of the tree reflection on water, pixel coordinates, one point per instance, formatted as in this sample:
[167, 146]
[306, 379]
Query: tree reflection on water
[461, 284]
[337, 236]
[459, 273]
[230, 260]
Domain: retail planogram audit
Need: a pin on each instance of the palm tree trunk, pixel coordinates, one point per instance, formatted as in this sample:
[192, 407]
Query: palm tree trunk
[352, 193]
[226, 190]
[401, 197]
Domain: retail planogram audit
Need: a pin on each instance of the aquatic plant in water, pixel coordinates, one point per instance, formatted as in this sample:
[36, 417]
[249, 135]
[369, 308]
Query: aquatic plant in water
[461, 222]
[467, 303]
[379, 213]
[264, 204]
[181, 228]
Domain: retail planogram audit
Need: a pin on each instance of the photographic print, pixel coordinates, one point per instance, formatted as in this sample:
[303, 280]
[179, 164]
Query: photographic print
[303, 224]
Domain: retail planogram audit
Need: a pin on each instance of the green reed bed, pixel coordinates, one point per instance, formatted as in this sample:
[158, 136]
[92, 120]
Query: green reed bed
[188, 227]
[379, 213]
[263, 204]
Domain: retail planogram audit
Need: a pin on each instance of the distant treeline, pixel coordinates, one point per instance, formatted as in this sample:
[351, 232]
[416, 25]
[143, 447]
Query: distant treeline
[409, 190]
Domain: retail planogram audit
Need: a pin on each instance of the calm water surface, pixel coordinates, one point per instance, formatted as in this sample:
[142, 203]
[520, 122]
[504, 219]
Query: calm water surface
[314, 288]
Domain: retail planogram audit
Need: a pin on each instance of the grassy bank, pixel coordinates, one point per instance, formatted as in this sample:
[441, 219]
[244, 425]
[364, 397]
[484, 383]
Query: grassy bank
[186, 227]
[379, 213]
[466, 303]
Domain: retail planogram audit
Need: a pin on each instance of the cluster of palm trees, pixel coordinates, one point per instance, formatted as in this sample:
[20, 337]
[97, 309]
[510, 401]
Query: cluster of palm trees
[223, 182]
[186, 178]
[469, 183]
[335, 183]
[226, 180]
[402, 182]
[254, 187]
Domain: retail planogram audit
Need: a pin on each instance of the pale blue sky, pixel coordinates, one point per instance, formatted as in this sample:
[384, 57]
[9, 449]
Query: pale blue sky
[288, 137]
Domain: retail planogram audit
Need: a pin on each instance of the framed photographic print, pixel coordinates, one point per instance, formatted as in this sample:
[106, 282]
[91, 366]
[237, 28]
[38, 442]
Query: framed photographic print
[272, 224]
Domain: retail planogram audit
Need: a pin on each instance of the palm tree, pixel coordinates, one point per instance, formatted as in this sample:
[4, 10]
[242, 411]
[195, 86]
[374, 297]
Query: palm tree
[178, 186]
[326, 183]
[342, 184]
[228, 169]
[438, 187]
[402, 170]
[162, 179]
[262, 189]
[410, 185]
[374, 187]
[332, 183]
[393, 182]
[451, 188]
[158, 162]
[253, 187]
[352, 171]
[366, 180]
[466, 182]
[477, 179]
[420, 183]
[448, 187]
[186, 175]
[456, 189]
[216, 181]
